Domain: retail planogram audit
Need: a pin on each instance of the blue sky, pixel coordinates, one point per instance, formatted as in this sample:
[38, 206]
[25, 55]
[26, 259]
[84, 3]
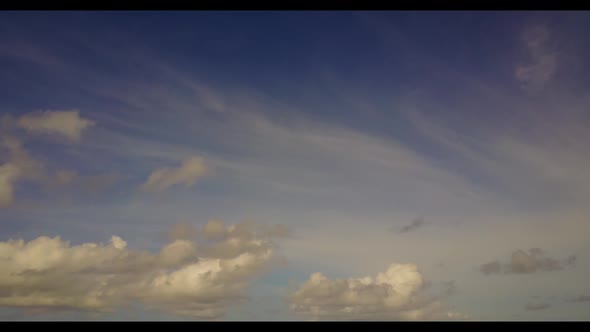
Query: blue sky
[467, 130]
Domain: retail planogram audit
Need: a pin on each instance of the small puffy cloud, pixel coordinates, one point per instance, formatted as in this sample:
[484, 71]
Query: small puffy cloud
[186, 174]
[543, 62]
[415, 224]
[523, 262]
[65, 123]
[118, 242]
[391, 295]
[182, 278]
[537, 306]
[535, 75]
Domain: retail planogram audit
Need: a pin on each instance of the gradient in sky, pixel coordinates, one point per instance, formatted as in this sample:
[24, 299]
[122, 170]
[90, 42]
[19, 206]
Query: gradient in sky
[294, 166]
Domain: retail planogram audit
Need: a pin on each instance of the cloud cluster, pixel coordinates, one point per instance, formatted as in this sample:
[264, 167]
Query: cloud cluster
[16, 164]
[20, 165]
[183, 278]
[186, 174]
[391, 295]
[523, 262]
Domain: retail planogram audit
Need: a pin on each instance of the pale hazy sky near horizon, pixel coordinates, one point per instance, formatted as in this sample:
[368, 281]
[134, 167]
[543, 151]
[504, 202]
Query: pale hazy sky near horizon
[294, 165]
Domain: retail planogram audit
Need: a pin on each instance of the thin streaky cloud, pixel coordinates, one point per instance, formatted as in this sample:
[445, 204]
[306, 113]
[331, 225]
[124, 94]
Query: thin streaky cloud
[186, 174]
[537, 306]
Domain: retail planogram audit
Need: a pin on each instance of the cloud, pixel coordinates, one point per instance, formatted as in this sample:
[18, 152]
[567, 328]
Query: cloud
[215, 229]
[391, 295]
[30, 52]
[580, 298]
[542, 65]
[522, 262]
[182, 231]
[520, 166]
[19, 165]
[186, 174]
[183, 278]
[491, 267]
[9, 173]
[415, 224]
[537, 306]
[450, 288]
[65, 123]
[234, 239]
[293, 156]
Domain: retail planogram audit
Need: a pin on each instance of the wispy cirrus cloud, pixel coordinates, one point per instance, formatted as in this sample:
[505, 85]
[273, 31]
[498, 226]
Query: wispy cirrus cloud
[186, 174]
[537, 306]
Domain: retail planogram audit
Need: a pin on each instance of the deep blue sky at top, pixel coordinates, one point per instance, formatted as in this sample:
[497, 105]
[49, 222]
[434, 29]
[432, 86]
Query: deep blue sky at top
[289, 55]
[354, 69]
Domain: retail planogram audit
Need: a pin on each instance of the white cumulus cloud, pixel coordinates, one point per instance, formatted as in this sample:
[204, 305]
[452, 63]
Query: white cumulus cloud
[391, 295]
[183, 278]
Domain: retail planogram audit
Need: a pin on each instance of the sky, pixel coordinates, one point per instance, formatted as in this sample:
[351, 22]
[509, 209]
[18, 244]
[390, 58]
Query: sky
[343, 165]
